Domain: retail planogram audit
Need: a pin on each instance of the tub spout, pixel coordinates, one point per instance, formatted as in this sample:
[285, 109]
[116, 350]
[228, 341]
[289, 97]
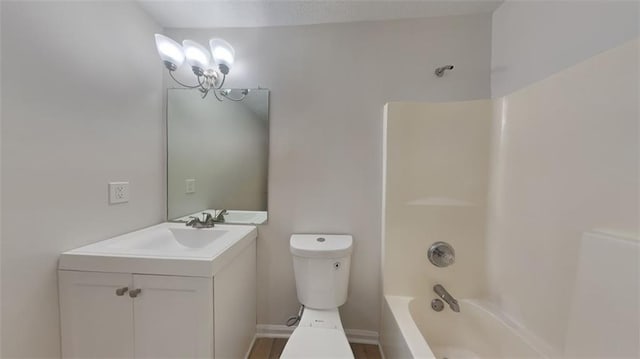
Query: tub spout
[442, 293]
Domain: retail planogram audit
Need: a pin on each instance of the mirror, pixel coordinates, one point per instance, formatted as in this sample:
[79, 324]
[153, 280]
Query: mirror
[217, 155]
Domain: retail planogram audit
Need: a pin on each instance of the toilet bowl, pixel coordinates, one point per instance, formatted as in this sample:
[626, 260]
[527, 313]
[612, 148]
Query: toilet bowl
[321, 266]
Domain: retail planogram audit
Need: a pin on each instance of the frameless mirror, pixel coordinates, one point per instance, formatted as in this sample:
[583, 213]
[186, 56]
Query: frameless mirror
[217, 155]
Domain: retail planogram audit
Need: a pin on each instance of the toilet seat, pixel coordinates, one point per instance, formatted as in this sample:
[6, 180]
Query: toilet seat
[310, 342]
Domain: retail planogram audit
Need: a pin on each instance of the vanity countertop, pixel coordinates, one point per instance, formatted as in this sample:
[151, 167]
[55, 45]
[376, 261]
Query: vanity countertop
[163, 249]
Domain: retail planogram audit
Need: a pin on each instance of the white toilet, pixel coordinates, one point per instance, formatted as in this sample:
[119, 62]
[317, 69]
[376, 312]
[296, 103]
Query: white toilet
[321, 264]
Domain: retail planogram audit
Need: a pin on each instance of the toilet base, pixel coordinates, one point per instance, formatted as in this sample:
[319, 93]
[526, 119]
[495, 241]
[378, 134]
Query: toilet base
[321, 318]
[319, 335]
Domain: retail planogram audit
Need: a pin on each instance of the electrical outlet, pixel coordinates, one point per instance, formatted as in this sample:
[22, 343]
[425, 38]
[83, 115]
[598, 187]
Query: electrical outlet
[190, 185]
[118, 192]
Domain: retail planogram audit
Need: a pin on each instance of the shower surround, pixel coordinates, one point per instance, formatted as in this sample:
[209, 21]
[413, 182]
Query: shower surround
[524, 187]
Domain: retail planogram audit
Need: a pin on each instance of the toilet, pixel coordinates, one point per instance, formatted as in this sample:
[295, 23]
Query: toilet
[321, 265]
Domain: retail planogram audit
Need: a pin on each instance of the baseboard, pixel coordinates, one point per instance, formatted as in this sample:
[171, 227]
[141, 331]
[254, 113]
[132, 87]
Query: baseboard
[282, 331]
[382, 356]
[362, 336]
[253, 342]
[273, 331]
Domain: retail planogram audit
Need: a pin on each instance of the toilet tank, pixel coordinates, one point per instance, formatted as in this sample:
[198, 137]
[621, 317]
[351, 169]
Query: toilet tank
[321, 265]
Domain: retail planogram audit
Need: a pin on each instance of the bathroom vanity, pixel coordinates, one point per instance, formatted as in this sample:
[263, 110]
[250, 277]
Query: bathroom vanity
[165, 291]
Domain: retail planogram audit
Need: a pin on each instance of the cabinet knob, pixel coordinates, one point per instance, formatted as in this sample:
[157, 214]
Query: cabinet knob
[120, 291]
[134, 293]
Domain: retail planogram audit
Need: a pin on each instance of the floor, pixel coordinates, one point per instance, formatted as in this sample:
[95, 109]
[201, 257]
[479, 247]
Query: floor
[271, 348]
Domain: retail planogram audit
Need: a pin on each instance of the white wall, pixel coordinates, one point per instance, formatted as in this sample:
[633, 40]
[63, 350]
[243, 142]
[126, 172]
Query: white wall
[81, 106]
[328, 87]
[566, 151]
[534, 39]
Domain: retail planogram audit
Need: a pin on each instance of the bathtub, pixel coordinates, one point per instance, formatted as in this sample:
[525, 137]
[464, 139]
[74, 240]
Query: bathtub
[411, 329]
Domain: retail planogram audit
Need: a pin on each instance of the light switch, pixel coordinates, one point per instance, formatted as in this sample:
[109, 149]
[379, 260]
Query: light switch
[190, 185]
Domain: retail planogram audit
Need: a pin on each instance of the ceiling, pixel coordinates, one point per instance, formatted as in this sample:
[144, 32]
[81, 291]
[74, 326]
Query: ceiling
[260, 13]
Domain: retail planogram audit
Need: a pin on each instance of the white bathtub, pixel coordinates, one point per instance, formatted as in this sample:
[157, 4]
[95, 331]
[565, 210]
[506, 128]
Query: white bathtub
[411, 329]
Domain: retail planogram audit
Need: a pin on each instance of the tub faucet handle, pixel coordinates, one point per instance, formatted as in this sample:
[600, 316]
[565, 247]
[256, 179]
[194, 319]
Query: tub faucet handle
[441, 254]
[448, 298]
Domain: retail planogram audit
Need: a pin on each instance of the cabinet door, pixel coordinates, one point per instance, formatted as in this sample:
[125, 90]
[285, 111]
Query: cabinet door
[95, 321]
[173, 317]
[235, 305]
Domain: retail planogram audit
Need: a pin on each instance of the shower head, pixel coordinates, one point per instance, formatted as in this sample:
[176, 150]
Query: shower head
[440, 70]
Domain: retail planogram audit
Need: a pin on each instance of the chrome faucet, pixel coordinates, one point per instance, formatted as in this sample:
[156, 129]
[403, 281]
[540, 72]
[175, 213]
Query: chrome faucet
[219, 217]
[207, 221]
[442, 293]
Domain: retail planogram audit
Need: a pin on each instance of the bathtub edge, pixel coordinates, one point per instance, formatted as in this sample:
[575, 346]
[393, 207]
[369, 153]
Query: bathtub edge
[398, 308]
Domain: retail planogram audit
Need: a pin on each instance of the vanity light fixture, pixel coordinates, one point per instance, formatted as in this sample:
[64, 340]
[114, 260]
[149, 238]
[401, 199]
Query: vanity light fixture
[210, 67]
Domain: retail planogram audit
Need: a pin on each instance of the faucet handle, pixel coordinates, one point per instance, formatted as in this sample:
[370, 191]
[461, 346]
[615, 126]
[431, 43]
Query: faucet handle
[441, 254]
[192, 220]
[219, 217]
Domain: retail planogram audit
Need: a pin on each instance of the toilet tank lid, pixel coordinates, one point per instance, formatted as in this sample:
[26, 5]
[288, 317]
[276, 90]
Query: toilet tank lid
[321, 245]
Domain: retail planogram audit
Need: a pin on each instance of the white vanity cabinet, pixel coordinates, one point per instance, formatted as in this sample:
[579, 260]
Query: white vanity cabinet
[173, 317]
[95, 322]
[169, 317]
[149, 315]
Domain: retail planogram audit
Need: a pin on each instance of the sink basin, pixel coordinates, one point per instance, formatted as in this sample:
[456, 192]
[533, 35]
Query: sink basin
[196, 238]
[170, 240]
[163, 249]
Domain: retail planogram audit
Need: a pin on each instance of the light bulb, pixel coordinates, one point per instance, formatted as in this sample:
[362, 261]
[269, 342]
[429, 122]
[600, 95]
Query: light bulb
[170, 52]
[197, 56]
[223, 54]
